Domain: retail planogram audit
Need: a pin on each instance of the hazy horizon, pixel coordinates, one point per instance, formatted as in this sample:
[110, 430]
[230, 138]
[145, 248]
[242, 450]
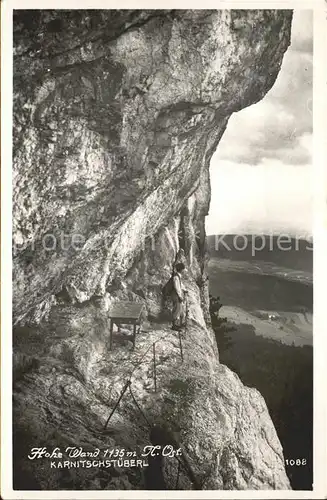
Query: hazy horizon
[275, 235]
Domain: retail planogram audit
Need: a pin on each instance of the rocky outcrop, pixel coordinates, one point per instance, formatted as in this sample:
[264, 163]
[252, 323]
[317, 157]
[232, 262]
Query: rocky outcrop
[223, 427]
[116, 117]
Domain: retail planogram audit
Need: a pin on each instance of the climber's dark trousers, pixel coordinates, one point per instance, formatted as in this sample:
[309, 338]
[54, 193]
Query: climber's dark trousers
[178, 312]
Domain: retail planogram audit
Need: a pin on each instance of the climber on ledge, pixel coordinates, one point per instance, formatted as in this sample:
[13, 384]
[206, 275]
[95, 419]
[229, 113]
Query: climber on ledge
[178, 298]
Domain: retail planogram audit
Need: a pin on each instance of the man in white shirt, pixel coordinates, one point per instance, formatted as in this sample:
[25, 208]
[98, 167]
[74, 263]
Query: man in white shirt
[178, 298]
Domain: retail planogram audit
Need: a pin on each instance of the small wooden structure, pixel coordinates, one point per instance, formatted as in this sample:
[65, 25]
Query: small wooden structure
[125, 313]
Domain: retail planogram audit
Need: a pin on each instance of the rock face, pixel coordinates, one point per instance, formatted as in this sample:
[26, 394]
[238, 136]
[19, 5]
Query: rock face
[116, 117]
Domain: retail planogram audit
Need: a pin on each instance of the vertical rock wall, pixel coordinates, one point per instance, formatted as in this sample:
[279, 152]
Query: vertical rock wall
[116, 116]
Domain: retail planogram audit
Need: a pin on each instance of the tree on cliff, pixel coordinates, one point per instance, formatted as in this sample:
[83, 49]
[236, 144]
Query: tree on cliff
[218, 323]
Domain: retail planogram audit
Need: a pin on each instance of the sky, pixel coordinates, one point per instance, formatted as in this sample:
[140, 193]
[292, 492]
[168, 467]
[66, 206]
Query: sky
[261, 173]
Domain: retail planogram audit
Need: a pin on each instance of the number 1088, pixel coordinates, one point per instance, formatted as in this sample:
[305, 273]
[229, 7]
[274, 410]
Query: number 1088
[296, 461]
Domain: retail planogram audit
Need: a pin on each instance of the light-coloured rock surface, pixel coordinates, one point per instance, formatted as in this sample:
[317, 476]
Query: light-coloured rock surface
[116, 117]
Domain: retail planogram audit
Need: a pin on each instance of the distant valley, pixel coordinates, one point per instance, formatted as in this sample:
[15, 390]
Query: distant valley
[267, 301]
[271, 290]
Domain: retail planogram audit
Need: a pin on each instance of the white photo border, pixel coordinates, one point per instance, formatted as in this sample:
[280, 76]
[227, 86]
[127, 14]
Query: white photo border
[319, 8]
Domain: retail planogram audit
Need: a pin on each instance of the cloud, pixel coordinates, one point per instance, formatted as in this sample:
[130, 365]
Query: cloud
[273, 199]
[261, 173]
[266, 133]
[273, 127]
[302, 31]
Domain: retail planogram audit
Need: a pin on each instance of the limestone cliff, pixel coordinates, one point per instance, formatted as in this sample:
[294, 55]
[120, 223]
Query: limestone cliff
[116, 117]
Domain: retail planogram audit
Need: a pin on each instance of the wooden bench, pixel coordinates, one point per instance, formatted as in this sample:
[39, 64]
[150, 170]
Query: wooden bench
[125, 313]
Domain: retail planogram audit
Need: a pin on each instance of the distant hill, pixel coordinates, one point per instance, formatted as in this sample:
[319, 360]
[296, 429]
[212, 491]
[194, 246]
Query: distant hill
[289, 253]
[253, 280]
[255, 291]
